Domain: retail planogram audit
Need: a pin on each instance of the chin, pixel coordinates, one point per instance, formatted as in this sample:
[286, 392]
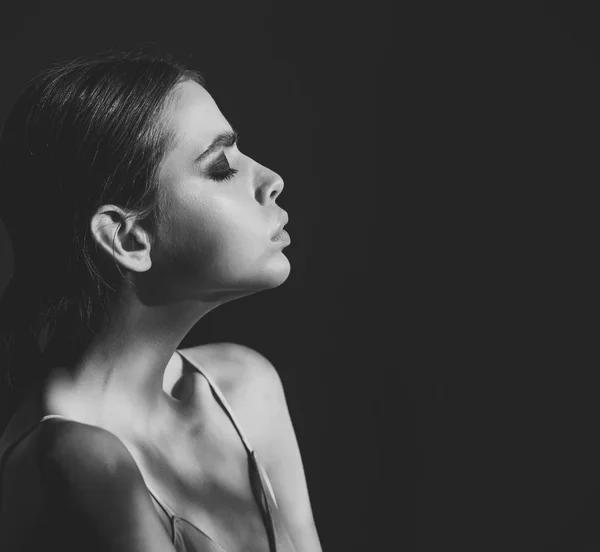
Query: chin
[273, 280]
[280, 270]
[267, 279]
[271, 277]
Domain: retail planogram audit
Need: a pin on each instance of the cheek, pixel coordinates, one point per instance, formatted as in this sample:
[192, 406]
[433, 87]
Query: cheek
[222, 230]
[227, 218]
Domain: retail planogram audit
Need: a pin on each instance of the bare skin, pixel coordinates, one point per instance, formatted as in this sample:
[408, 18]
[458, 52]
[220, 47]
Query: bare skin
[215, 247]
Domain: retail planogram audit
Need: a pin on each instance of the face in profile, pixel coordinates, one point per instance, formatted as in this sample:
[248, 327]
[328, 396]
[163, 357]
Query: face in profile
[220, 206]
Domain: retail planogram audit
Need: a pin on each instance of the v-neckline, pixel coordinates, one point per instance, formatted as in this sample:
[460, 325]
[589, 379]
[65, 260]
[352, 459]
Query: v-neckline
[257, 483]
[267, 518]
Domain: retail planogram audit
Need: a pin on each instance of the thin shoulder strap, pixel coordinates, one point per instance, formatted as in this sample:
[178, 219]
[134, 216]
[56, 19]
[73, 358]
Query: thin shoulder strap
[12, 446]
[161, 503]
[168, 510]
[23, 436]
[51, 416]
[155, 495]
[225, 405]
[221, 399]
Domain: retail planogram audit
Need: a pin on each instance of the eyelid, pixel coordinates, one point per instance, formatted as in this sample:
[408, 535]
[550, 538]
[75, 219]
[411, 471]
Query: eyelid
[222, 158]
[221, 152]
[219, 167]
[212, 160]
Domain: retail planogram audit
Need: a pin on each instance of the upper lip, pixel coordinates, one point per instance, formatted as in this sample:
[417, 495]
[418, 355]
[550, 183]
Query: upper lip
[283, 220]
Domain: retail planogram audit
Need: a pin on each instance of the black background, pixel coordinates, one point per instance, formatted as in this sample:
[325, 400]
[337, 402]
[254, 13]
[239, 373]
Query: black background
[505, 386]
[298, 81]
[440, 168]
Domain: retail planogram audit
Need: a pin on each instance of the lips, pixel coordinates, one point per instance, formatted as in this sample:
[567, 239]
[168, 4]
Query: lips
[282, 222]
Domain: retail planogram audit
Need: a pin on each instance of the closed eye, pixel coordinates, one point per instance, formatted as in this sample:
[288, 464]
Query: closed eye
[221, 170]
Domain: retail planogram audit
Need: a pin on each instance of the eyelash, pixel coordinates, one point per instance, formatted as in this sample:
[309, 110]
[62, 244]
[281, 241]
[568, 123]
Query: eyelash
[225, 173]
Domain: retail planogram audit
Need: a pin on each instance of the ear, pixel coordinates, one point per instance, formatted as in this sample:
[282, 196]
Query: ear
[117, 231]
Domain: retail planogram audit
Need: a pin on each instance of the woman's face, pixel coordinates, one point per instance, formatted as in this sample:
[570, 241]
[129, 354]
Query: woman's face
[220, 206]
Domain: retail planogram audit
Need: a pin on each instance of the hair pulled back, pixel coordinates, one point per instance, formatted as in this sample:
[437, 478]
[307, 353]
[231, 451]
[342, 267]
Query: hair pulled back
[82, 134]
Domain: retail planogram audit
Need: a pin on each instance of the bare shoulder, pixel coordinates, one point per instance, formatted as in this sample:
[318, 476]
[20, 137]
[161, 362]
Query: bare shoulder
[66, 455]
[254, 390]
[58, 444]
[72, 447]
[249, 382]
[239, 370]
[85, 478]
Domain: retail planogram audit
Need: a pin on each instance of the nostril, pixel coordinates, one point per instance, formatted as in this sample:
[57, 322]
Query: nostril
[277, 188]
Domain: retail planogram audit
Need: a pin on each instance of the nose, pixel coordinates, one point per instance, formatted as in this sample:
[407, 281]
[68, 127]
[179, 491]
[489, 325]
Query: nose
[270, 185]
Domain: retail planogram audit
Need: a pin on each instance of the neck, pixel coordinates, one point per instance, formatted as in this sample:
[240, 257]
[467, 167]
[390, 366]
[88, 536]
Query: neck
[128, 369]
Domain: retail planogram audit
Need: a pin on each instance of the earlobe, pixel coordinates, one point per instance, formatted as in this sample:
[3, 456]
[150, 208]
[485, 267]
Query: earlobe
[119, 236]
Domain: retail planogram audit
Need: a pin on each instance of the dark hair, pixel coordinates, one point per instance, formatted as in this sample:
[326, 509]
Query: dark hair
[82, 134]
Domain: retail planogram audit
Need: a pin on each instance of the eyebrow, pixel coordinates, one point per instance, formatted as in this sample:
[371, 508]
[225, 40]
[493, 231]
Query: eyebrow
[223, 140]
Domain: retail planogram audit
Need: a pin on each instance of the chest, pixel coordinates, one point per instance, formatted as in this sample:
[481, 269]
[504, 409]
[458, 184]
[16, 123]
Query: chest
[198, 464]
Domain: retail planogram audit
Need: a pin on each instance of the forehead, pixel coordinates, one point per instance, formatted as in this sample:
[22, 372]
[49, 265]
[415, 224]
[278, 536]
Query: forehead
[194, 118]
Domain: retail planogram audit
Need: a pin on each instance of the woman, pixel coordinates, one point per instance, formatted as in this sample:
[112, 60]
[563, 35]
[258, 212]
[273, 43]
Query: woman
[132, 214]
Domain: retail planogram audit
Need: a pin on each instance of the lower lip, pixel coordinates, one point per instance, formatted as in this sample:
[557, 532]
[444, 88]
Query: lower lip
[282, 237]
